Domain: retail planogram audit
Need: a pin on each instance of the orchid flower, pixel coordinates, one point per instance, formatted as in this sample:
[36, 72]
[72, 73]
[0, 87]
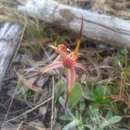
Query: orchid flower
[67, 60]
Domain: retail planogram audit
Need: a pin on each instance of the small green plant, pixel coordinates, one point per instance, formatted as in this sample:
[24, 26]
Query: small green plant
[83, 113]
[99, 94]
[96, 121]
[29, 93]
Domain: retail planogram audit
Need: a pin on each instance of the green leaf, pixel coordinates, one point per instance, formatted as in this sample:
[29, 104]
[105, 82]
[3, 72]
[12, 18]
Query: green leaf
[99, 93]
[111, 121]
[59, 89]
[75, 96]
[109, 115]
[66, 117]
[72, 125]
[114, 119]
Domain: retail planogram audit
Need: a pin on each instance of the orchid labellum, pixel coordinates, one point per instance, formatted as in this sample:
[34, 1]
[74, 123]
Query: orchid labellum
[67, 60]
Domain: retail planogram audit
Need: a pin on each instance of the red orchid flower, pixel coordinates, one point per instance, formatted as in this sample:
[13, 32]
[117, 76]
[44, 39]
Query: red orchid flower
[67, 60]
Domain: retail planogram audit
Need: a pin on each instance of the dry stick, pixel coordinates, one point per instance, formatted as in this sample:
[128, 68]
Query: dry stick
[98, 27]
[30, 110]
[10, 36]
[53, 102]
[20, 125]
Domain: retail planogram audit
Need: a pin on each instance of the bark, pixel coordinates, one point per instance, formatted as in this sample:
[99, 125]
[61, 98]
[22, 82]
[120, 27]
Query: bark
[10, 34]
[101, 28]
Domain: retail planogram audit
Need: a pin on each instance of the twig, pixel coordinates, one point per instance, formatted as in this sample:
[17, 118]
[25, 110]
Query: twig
[30, 110]
[20, 125]
[53, 101]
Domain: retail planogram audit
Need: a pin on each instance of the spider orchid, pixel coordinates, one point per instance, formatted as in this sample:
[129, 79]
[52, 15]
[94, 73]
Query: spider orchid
[67, 60]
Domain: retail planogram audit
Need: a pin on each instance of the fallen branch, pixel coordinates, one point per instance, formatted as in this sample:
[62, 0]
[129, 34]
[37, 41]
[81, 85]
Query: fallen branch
[10, 34]
[101, 28]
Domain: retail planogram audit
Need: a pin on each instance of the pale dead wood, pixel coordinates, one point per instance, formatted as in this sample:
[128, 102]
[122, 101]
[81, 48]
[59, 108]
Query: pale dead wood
[10, 34]
[101, 28]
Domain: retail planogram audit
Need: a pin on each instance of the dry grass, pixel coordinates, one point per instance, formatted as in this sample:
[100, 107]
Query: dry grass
[9, 13]
[117, 8]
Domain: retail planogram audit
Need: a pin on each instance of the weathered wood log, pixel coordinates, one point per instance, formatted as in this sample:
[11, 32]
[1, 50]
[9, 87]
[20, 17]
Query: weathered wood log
[102, 28]
[10, 34]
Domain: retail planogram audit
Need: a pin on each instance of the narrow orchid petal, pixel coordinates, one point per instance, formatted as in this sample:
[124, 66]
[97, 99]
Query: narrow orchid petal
[78, 41]
[61, 49]
[53, 47]
[57, 59]
[80, 66]
[54, 65]
[76, 51]
[71, 77]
